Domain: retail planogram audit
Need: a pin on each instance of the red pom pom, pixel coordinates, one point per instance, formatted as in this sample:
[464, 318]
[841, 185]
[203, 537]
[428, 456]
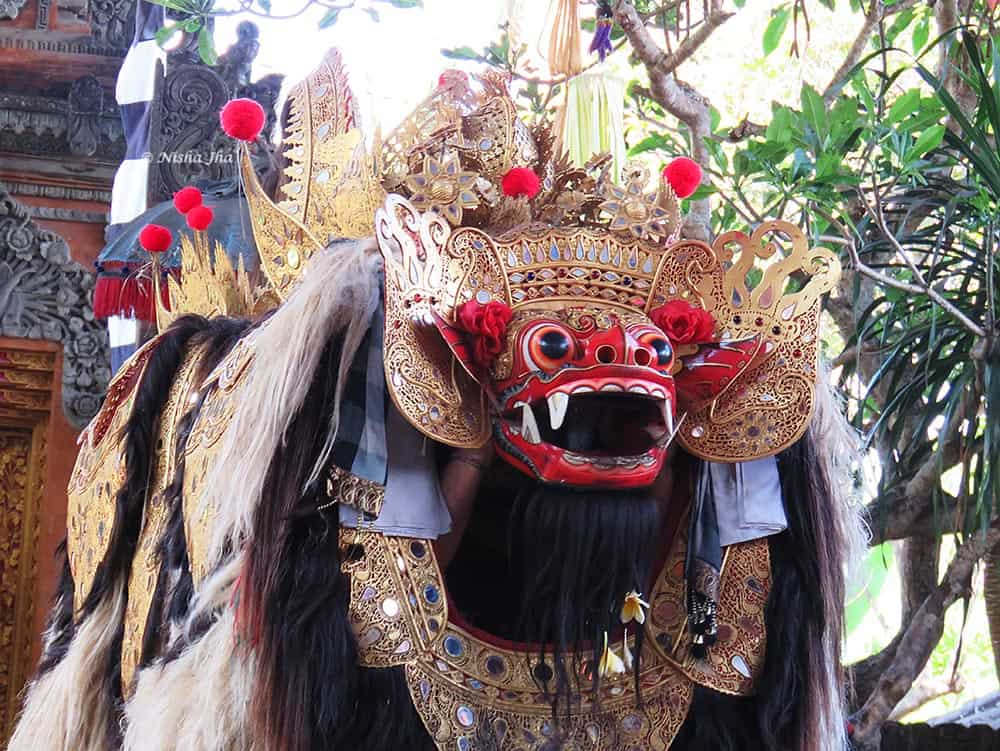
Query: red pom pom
[452, 77]
[520, 181]
[243, 119]
[488, 326]
[683, 323]
[186, 199]
[199, 218]
[155, 238]
[684, 176]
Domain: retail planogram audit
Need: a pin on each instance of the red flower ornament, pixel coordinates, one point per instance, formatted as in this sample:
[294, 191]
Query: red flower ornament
[683, 323]
[186, 199]
[487, 325]
[243, 119]
[155, 238]
[684, 176]
[520, 181]
[199, 218]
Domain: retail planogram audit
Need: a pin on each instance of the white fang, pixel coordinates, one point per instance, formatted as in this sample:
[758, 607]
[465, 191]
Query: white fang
[529, 428]
[558, 402]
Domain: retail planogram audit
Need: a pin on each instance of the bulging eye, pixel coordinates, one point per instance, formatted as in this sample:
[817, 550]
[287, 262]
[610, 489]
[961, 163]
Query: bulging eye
[554, 345]
[659, 344]
[548, 347]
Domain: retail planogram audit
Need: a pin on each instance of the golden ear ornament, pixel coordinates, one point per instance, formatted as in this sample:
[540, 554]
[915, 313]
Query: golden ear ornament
[428, 386]
[766, 285]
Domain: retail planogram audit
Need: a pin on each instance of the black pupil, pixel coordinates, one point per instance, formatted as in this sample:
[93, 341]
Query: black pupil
[663, 350]
[554, 345]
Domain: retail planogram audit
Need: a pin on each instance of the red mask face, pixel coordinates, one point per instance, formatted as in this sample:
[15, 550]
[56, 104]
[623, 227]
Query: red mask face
[586, 397]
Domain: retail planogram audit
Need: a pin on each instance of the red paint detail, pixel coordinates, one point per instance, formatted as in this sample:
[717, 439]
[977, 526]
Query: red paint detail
[708, 371]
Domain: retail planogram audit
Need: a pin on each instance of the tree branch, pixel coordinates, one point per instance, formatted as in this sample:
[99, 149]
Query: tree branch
[877, 11]
[920, 637]
[922, 692]
[675, 97]
[922, 287]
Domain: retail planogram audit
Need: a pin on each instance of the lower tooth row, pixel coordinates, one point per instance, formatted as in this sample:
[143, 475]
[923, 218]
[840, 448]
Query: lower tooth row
[616, 462]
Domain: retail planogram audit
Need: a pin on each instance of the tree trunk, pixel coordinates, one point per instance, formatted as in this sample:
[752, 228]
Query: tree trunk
[991, 593]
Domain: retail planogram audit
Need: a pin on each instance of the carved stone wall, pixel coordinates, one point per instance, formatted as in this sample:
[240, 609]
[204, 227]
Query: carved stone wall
[15, 461]
[46, 295]
[26, 385]
[85, 124]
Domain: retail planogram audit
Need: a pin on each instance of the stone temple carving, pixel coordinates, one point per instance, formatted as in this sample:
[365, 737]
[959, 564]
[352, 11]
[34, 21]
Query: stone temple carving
[44, 294]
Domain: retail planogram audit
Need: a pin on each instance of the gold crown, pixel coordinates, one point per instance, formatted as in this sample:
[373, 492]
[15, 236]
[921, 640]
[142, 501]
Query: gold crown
[449, 156]
[208, 286]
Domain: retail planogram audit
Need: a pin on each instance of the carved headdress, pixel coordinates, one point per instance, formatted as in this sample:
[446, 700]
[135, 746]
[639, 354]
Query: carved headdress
[471, 205]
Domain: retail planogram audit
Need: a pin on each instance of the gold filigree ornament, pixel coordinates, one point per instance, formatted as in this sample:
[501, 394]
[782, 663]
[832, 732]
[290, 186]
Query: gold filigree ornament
[470, 691]
[426, 383]
[333, 187]
[650, 215]
[443, 186]
[209, 285]
[767, 406]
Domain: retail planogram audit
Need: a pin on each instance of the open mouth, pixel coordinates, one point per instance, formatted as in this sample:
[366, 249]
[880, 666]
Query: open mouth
[605, 424]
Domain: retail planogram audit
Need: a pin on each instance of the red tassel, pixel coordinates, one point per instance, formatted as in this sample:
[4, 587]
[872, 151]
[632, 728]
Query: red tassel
[107, 294]
[165, 289]
[137, 298]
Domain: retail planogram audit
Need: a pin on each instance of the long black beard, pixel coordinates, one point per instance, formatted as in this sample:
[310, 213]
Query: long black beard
[551, 569]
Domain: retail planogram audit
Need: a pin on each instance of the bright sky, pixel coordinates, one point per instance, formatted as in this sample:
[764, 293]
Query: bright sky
[393, 64]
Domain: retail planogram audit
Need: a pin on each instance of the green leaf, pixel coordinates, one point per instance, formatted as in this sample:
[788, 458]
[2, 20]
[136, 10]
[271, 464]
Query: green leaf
[775, 29]
[898, 25]
[814, 110]
[651, 142]
[265, 5]
[929, 140]
[781, 125]
[921, 33]
[874, 571]
[206, 46]
[330, 18]
[405, 3]
[905, 105]
[461, 53]
[181, 6]
[191, 25]
[163, 35]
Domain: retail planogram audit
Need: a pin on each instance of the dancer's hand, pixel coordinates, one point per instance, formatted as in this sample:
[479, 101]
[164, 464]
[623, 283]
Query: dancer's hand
[460, 483]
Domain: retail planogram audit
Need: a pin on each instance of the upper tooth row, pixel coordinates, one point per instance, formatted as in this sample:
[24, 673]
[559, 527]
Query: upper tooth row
[558, 402]
[636, 389]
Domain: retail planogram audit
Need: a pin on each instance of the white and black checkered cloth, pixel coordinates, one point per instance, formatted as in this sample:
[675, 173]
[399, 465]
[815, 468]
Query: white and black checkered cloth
[134, 92]
[360, 446]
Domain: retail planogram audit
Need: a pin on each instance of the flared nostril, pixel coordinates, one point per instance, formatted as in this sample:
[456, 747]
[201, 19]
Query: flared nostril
[642, 357]
[606, 354]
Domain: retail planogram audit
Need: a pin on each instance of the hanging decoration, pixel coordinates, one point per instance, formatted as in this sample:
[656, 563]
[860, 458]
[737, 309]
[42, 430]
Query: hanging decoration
[601, 43]
[565, 58]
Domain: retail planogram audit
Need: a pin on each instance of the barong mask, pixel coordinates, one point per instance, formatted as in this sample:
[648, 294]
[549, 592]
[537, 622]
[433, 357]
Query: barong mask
[553, 308]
